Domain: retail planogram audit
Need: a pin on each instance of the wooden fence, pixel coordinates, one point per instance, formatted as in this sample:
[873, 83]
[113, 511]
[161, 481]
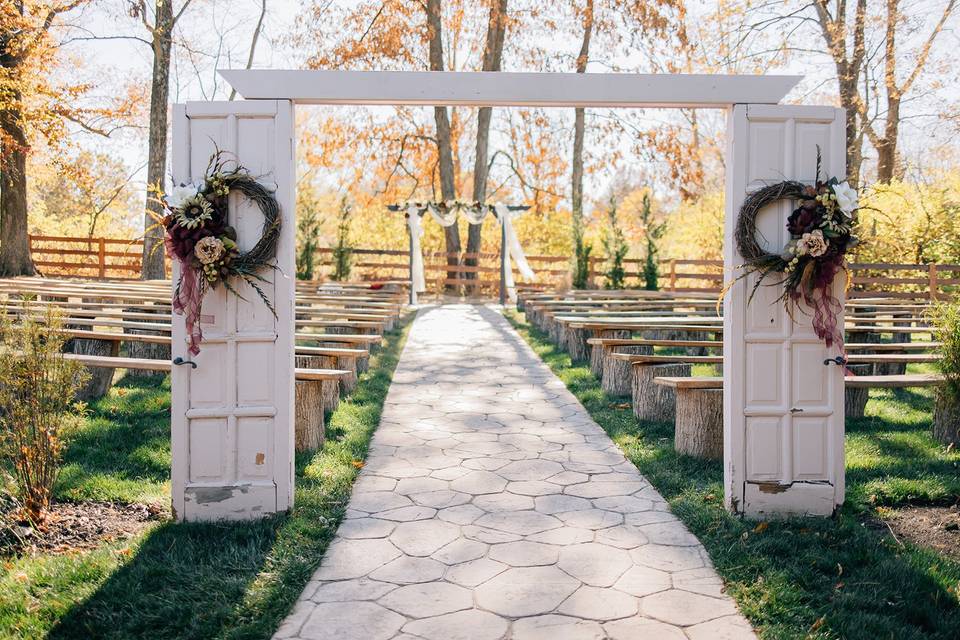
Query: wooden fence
[64, 256]
[120, 259]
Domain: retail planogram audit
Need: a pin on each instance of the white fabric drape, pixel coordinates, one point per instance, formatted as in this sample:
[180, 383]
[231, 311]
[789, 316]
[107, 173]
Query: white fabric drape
[513, 249]
[444, 220]
[416, 253]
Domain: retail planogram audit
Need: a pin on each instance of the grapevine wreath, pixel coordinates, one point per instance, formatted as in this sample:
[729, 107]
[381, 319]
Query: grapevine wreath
[200, 240]
[821, 233]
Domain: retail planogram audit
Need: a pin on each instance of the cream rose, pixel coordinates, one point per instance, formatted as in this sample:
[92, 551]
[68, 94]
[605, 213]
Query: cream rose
[208, 250]
[179, 195]
[812, 244]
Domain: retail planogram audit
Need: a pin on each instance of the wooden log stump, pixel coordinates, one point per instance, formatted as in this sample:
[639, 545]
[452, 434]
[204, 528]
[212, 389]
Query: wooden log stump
[855, 398]
[146, 350]
[946, 419]
[617, 377]
[895, 368]
[101, 378]
[363, 362]
[699, 424]
[576, 343]
[652, 401]
[308, 408]
[598, 353]
[348, 382]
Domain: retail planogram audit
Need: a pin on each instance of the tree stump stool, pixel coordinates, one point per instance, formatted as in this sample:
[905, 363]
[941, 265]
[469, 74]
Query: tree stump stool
[309, 407]
[101, 378]
[699, 423]
[652, 401]
[895, 368]
[946, 419]
[598, 353]
[348, 382]
[363, 362]
[146, 350]
[617, 377]
[855, 398]
[576, 343]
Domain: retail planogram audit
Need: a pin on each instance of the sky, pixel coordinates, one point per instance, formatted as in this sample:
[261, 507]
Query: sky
[219, 31]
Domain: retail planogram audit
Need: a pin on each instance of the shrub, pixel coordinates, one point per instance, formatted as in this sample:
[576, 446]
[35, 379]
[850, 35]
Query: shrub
[308, 241]
[652, 231]
[615, 246]
[946, 322]
[37, 387]
[343, 252]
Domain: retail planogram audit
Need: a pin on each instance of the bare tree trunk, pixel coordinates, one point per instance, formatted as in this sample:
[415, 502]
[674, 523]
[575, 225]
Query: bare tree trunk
[492, 59]
[14, 242]
[887, 145]
[451, 234]
[576, 190]
[153, 262]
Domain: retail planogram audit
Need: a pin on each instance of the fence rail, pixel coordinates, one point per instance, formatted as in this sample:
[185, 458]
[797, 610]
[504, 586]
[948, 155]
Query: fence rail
[117, 258]
[66, 256]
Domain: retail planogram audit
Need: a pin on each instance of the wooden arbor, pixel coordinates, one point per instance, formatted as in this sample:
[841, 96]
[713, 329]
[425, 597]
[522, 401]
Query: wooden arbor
[783, 410]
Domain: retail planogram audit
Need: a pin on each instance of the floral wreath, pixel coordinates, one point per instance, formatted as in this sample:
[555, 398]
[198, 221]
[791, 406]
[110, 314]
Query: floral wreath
[821, 233]
[200, 240]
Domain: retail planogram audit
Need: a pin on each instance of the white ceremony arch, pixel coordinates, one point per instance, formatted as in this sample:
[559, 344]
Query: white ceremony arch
[232, 415]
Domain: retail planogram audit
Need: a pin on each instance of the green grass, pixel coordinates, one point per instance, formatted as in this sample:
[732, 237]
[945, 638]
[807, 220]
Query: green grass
[843, 578]
[186, 580]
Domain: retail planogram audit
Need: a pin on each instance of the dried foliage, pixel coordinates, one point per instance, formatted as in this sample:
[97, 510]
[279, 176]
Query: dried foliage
[37, 387]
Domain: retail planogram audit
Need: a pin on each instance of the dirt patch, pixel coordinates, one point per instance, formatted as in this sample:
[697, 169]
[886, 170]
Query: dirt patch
[934, 527]
[82, 525]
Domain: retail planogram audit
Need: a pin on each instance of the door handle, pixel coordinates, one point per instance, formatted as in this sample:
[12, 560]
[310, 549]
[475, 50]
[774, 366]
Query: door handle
[840, 361]
[178, 361]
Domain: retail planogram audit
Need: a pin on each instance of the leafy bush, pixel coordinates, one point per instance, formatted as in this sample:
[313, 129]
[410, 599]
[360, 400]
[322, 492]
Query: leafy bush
[37, 387]
[653, 231]
[308, 241]
[946, 322]
[616, 248]
[343, 252]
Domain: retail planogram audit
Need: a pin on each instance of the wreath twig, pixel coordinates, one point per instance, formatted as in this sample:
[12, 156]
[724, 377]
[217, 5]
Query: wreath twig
[200, 239]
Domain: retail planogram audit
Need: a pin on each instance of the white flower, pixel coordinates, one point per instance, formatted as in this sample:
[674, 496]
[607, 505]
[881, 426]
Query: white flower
[847, 197]
[180, 194]
[812, 244]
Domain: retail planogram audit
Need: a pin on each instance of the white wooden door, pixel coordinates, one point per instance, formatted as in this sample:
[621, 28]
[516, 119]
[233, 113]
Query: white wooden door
[783, 408]
[232, 415]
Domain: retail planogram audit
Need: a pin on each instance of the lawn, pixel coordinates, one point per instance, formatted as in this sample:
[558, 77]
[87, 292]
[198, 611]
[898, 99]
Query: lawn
[846, 577]
[186, 580]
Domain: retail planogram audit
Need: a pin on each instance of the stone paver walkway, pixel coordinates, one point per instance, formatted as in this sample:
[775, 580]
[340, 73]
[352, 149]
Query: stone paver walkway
[492, 506]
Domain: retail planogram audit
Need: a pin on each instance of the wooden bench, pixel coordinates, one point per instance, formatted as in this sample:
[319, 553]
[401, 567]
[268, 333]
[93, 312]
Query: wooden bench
[699, 407]
[308, 403]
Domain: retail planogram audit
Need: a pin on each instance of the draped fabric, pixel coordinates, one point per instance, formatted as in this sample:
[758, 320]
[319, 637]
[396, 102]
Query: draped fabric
[416, 253]
[446, 217]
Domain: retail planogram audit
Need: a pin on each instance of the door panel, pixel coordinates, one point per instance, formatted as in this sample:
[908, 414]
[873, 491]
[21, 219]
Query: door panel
[783, 408]
[232, 416]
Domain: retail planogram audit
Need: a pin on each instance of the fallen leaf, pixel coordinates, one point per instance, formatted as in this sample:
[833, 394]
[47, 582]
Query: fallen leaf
[760, 528]
[358, 464]
[819, 623]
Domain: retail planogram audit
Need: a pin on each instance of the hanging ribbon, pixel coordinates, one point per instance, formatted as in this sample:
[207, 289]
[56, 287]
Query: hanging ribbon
[416, 253]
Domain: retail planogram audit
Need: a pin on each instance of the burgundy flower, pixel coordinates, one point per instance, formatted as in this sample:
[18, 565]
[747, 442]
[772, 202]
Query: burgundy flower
[804, 219]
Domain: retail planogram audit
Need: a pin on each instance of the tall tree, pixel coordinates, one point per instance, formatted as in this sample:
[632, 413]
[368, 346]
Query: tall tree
[581, 251]
[896, 87]
[159, 19]
[492, 60]
[30, 104]
[846, 43]
[442, 121]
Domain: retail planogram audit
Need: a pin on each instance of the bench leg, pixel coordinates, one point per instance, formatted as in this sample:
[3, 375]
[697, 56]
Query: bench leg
[946, 420]
[101, 378]
[576, 343]
[699, 427]
[308, 409]
[617, 377]
[652, 401]
[598, 354]
[855, 398]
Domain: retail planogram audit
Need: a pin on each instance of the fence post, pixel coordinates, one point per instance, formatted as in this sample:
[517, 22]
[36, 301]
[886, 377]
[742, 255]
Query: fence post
[102, 257]
[503, 263]
[673, 275]
[934, 286]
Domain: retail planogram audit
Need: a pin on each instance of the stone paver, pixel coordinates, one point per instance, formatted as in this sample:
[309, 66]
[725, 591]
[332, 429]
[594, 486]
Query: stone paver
[492, 507]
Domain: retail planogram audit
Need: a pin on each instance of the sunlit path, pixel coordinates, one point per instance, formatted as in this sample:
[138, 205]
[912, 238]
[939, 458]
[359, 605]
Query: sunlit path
[492, 506]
